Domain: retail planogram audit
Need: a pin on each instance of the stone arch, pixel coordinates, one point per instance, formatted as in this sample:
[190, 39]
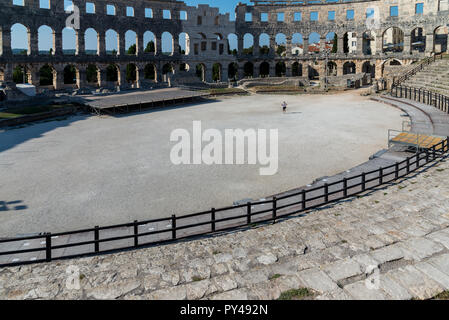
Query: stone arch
[47, 76]
[149, 42]
[297, 44]
[112, 42]
[418, 40]
[440, 35]
[167, 43]
[369, 68]
[393, 40]
[69, 37]
[216, 72]
[232, 43]
[281, 69]
[248, 69]
[369, 42]
[248, 44]
[46, 40]
[264, 69]
[150, 72]
[201, 71]
[281, 44]
[184, 43]
[331, 42]
[233, 71]
[349, 68]
[296, 69]
[70, 74]
[91, 40]
[331, 68]
[264, 44]
[131, 42]
[19, 44]
[314, 43]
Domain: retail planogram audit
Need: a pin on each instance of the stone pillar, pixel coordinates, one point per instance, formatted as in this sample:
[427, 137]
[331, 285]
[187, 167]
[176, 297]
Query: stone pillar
[429, 43]
[224, 74]
[35, 77]
[138, 72]
[33, 39]
[272, 70]
[158, 44]
[288, 46]
[272, 45]
[305, 69]
[288, 70]
[6, 42]
[240, 45]
[121, 44]
[379, 44]
[101, 44]
[208, 74]
[139, 44]
[81, 79]
[102, 78]
[306, 46]
[176, 46]
[358, 66]
[122, 76]
[80, 43]
[241, 73]
[359, 50]
[340, 45]
[58, 80]
[407, 44]
[322, 44]
[57, 43]
[8, 73]
[256, 46]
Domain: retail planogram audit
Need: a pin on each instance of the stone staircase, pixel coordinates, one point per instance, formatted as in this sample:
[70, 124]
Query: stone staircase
[434, 77]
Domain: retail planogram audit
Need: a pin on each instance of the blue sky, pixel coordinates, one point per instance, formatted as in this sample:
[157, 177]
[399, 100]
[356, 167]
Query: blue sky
[45, 42]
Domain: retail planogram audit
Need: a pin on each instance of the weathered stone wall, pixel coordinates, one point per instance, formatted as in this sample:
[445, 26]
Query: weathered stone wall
[208, 33]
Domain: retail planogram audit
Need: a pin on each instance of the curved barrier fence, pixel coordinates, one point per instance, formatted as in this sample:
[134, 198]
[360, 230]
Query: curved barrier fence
[431, 98]
[47, 247]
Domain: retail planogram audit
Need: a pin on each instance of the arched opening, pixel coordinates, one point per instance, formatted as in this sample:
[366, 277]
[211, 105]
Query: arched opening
[233, 70]
[281, 69]
[112, 73]
[313, 73]
[264, 69]
[331, 68]
[369, 68]
[68, 41]
[296, 69]
[92, 75]
[216, 72]
[70, 74]
[47, 76]
[21, 74]
[393, 40]
[331, 42]
[297, 44]
[201, 71]
[264, 44]
[348, 68]
[314, 43]
[20, 44]
[248, 70]
[167, 43]
[184, 44]
[369, 42]
[45, 40]
[91, 41]
[130, 42]
[232, 44]
[112, 41]
[281, 44]
[149, 72]
[440, 39]
[149, 42]
[248, 44]
[418, 39]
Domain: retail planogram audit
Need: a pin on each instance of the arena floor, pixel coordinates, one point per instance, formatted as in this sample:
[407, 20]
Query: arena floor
[86, 170]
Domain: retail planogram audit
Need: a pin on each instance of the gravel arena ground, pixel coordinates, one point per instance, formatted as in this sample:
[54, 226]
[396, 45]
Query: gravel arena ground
[87, 170]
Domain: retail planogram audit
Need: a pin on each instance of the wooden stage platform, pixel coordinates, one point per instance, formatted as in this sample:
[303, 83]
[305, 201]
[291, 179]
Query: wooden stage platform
[136, 100]
[419, 141]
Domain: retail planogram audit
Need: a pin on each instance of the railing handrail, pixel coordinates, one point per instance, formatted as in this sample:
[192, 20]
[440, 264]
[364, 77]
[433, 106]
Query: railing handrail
[429, 97]
[301, 199]
[419, 67]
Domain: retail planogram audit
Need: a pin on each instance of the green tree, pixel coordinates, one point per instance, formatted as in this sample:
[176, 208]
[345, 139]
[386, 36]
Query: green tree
[150, 47]
[46, 75]
[131, 74]
[264, 50]
[18, 75]
[248, 51]
[280, 50]
[132, 49]
[335, 44]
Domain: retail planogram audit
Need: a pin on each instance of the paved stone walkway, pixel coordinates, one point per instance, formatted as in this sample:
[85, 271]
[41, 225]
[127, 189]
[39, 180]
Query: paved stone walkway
[398, 235]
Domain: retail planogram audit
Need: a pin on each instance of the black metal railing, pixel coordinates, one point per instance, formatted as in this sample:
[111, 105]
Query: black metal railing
[437, 100]
[137, 234]
[418, 68]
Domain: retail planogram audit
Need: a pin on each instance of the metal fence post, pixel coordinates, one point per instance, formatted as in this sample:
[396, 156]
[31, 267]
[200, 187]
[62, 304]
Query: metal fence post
[274, 209]
[48, 247]
[326, 193]
[96, 238]
[212, 216]
[173, 226]
[303, 193]
[381, 175]
[345, 187]
[396, 170]
[363, 181]
[136, 233]
[248, 212]
[408, 165]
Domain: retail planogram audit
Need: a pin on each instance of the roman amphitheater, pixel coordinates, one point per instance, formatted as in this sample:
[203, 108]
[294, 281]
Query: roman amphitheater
[357, 209]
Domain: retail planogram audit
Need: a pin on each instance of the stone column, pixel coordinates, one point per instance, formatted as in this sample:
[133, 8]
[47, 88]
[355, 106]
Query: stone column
[35, 77]
[6, 42]
[58, 81]
[429, 43]
[256, 72]
[407, 44]
[138, 72]
[158, 44]
[176, 46]
[256, 46]
[306, 46]
[57, 43]
[305, 69]
[101, 43]
[122, 79]
[322, 44]
[8, 73]
[288, 46]
[379, 43]
[80, 43]
[121, 44]
[359, 50]
[102, 78]
[139, 44]
[272, 45]
[224, 73]
[240, 44]
[272, 70]
[81, 79]
[33, 39]
[288, 70]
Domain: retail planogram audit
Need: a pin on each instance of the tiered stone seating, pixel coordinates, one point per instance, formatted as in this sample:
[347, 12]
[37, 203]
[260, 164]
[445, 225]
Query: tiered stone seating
[434, 77]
